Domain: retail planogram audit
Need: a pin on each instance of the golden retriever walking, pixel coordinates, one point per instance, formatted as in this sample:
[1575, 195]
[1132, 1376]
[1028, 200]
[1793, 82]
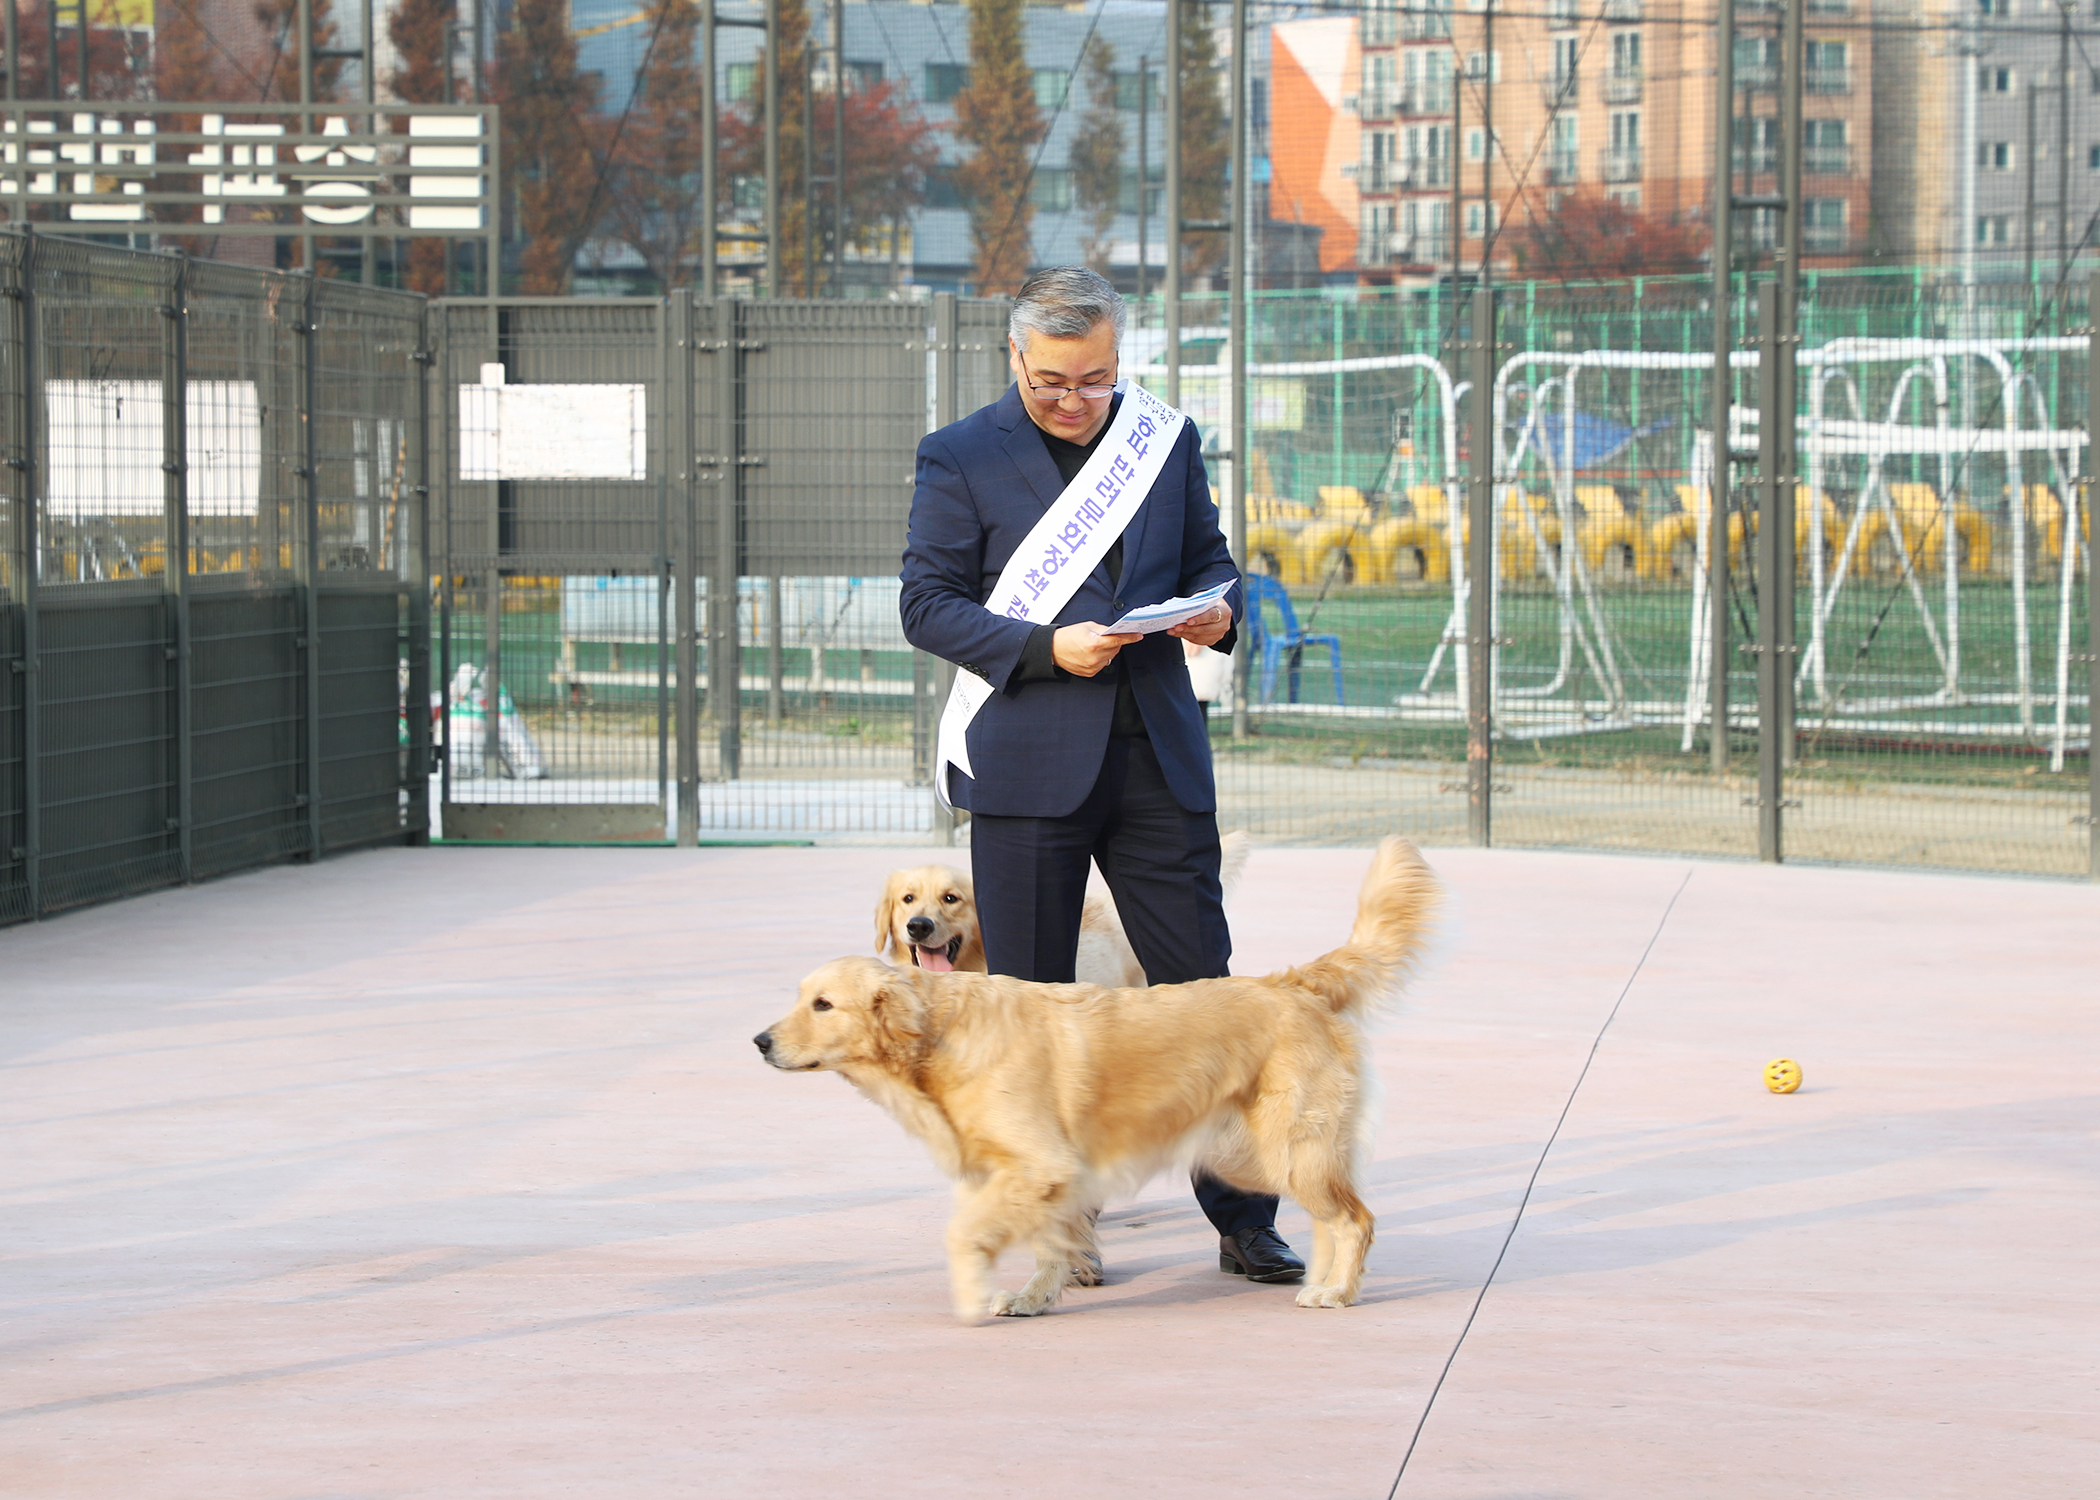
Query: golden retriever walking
[1043, 1100]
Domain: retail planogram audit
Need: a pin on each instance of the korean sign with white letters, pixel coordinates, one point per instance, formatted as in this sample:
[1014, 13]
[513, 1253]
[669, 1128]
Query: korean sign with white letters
[252, 169]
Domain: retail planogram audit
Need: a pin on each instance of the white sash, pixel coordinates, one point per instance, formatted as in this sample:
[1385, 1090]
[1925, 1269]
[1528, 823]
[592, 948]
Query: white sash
[1067, 544]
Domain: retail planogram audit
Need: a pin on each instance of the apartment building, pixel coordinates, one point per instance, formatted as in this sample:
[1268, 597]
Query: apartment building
[1595, 96]
[2026, 176]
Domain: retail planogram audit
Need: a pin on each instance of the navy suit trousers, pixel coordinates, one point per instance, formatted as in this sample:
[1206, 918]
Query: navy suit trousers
[1161, 864]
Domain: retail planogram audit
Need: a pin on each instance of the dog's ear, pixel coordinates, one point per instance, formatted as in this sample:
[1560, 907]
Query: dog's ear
[898, 1012]
[885, 932]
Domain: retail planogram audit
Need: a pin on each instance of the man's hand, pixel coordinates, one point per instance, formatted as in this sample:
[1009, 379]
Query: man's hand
[1084, 649]
[1205, 630]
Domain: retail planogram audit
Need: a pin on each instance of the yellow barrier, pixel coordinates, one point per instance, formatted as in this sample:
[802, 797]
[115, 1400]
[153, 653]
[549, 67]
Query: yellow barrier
[1673, 542]
[2045, 512]
[1327, 547]
[1920, 513]
[1409, 549]
[1270, 548]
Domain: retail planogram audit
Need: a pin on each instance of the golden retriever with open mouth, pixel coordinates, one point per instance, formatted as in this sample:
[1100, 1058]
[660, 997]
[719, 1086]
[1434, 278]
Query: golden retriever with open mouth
[1043, 1100]
[929, 915]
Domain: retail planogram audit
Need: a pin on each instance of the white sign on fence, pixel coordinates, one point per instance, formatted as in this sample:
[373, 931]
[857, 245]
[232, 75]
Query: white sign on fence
[105, 448]
[553, 431]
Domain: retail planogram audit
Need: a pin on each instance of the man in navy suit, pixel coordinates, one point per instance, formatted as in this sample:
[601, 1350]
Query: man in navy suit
[1092, 747]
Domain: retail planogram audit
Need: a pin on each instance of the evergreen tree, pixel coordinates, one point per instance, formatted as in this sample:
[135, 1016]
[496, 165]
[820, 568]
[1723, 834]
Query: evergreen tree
[997, 115]
[1097, 154]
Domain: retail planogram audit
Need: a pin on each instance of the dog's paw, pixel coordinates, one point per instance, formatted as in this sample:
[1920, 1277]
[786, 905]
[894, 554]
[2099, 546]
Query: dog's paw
[1019, 1305]
[1324, 1296]
[1086, 1271]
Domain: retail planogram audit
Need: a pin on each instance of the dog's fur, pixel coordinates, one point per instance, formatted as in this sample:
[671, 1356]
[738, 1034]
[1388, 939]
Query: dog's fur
[943, 901]
[1043, 1100]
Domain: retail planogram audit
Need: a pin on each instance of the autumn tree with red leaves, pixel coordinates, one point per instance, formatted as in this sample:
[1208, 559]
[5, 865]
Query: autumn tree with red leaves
[550, 119]
[653, 194]
[1097, 155]
[997, 116]
[890, 156]
[1592, 236]
[419, 30]
[116, 69]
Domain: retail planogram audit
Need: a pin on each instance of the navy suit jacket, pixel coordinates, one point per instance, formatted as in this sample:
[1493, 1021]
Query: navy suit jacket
[1036, 747]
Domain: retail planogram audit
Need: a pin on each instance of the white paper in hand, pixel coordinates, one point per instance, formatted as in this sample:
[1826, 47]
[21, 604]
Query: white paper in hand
[1168, 612]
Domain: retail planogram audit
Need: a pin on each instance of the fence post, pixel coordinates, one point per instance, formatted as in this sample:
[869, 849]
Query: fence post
[1775, 574]
[2092, 594]
[947, 401]
[725, 655]
[309, 566]
[34, 442]
[501, 497]
[686, 571]
[1718, 500]
[417, 577]
[1480, 578]
[175, 502]
[447, 394]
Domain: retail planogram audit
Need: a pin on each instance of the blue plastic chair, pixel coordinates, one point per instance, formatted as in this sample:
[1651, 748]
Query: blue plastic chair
[1263, 592]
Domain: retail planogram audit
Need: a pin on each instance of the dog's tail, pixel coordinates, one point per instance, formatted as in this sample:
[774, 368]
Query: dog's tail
[1395, 912]
[1232, 859]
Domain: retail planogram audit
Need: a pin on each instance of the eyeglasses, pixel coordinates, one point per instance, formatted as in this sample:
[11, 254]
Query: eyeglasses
[1059, 392]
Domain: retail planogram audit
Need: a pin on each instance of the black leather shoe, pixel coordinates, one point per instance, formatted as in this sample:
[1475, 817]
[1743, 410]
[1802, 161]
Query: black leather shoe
[1259, 1255]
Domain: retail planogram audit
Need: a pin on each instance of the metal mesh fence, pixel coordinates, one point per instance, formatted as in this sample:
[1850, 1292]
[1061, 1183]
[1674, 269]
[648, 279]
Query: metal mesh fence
[210, 620]
[1939, 712]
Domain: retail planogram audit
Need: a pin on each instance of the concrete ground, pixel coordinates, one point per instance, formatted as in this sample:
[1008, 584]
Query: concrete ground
[452, 1173]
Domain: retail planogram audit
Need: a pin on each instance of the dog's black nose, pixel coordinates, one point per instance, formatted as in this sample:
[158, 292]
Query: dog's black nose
[919, 929]
[763, 1041]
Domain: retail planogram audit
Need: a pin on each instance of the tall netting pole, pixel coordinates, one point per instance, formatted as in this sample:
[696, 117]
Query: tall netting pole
[1717, 508]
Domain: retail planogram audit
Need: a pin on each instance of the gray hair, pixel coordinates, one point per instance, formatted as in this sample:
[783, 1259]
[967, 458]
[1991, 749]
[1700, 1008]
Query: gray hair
[1065, 302]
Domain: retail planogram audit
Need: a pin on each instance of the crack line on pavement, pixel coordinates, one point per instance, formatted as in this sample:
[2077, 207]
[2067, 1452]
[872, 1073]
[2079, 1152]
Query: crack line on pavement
[1537, 1167]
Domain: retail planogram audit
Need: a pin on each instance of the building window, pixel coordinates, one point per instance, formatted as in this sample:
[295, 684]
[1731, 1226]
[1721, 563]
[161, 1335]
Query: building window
[1481, 219]
[1050, 87]
[1476, 144]
[1825, 148]
[1051, 189]
[741, 82]
[944, 81]
[1626, 53]
[1996, 80]
[1567, 54]
[1995, 156]
[1626, 198]
[1477, 66]
[1757, 143]
[1127, 96]
[1827, 68]
[1823, 225]
[1994, 229]
[2092, 158]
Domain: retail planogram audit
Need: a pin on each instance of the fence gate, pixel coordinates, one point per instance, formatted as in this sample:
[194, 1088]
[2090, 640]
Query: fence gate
[670, 535]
